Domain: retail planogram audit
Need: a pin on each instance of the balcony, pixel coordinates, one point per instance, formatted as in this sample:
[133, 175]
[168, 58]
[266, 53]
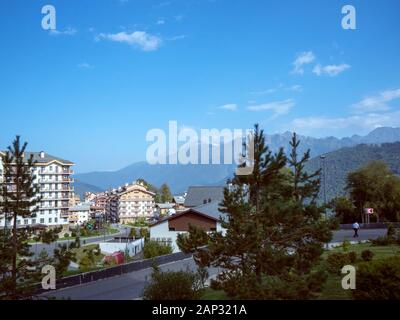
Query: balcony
[70, 188]
[64, 213]
[63, 197]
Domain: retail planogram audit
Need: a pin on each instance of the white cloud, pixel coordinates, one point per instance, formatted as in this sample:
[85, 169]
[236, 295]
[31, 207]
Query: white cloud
[370, 113]
[140, 39]
[268, 91]
[229, 107]
[278, 107]
[295, 88]
[174, 38]
[160, 22]
[375, 103]
[355, 123]
[301, 60]
[85, 65]
[330, 70]
[68, 31]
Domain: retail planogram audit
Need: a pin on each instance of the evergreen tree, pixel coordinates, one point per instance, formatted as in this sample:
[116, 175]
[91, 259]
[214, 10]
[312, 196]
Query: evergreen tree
[62, 258]
[275, 230]
[165, 192]
[19, 199]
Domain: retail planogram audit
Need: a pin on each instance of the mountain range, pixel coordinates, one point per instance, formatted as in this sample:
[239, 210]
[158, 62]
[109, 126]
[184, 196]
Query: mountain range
[180, 177]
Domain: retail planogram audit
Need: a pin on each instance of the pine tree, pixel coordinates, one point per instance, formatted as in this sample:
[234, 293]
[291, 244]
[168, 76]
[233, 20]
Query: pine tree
[274, 229]
[19, 199]
[165, 192]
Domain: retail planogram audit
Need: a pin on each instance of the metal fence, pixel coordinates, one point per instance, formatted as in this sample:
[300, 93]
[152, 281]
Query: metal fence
[115, 271]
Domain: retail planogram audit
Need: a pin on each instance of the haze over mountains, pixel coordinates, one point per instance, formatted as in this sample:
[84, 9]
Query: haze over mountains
[179, 177]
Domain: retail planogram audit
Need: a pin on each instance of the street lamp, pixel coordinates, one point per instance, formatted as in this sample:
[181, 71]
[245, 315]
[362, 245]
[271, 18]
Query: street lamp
[323, 158]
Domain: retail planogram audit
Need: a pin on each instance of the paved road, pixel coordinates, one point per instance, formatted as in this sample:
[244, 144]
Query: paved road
[36, 248]
[130, 286]
[126, 287]
[364, 234]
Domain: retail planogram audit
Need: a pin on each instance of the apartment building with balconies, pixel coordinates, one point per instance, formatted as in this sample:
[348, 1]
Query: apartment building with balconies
[53, 176]
[127, 204]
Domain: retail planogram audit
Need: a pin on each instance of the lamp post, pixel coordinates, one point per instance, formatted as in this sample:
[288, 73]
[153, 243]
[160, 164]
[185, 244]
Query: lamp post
[323, 158]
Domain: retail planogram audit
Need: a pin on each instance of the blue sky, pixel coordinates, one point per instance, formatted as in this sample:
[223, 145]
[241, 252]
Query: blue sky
[114, 69]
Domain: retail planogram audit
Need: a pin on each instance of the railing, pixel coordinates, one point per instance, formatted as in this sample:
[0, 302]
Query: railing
[114, 271]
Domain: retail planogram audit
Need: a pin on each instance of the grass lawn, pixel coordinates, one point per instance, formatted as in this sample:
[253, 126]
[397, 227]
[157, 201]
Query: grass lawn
[79, 253]
[110, 231]
[333, 287]
[210, 294]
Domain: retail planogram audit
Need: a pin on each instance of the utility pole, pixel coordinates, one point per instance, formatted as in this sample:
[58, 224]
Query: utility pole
[323, 159]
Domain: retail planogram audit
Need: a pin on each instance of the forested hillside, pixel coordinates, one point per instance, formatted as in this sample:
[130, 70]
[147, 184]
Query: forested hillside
[338, 163]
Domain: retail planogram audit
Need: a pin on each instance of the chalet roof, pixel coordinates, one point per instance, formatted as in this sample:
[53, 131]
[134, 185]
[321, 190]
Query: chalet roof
[165, 205]
[179, 199]
[209, 210]
[199, 195]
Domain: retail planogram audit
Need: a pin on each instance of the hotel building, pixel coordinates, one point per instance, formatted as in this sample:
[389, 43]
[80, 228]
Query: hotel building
[128, 203]
[53, 176]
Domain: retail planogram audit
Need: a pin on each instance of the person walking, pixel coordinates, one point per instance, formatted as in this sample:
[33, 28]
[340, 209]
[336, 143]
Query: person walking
[356, 227]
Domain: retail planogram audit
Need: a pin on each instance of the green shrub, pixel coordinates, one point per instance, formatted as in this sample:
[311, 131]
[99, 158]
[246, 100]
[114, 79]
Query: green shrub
[154, 249]
[66, 235]
[336, 261]
[86, 262]
[346, 245]
[378, 280]
[73, 234]
[367, 255]
[391, 231]
[173, 285]
[382, 241]
[352, 256]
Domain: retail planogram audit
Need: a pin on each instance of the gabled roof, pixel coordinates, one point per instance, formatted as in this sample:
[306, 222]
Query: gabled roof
[199, 195]
[209, 210]
[134, 187]
[165, 205]
[179, 199]
[46, 159]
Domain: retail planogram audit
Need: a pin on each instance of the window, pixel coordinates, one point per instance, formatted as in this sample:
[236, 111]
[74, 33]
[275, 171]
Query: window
[18, 222]
[55, 220]
[171, 229]
[41, 220]
[33, 221]
[26, 221]
[50, 220]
